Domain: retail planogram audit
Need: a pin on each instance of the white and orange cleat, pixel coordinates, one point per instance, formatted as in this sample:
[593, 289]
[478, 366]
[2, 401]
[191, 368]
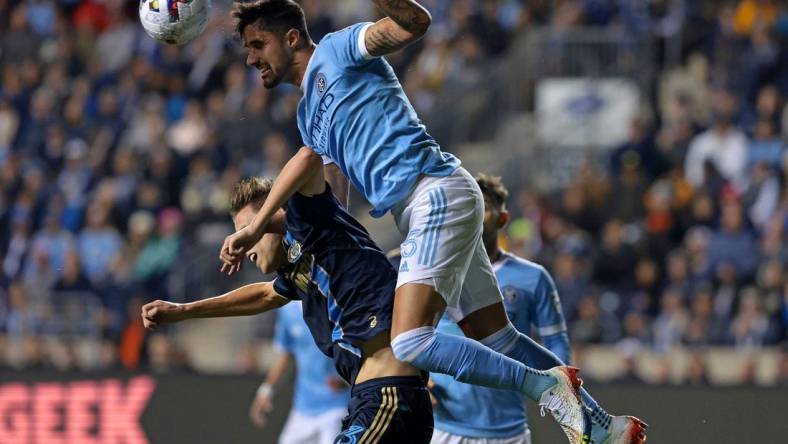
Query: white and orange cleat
[626, 430]
[562, 400]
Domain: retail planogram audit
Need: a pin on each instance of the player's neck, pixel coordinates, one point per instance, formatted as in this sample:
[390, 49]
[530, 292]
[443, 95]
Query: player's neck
[300, 63]
[494, 252]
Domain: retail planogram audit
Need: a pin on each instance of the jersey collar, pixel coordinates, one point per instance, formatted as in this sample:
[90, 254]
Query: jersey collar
[504, 256]
[306, 71]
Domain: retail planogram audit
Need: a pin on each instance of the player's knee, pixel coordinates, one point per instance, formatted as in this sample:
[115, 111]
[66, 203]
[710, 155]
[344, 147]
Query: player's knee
[411, 345]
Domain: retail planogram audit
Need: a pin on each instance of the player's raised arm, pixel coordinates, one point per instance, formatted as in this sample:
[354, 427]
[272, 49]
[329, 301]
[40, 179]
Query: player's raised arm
[296, 173]
[247, 300]
[406, 21]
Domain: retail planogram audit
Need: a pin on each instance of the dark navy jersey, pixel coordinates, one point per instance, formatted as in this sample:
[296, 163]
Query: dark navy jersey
[341, 275]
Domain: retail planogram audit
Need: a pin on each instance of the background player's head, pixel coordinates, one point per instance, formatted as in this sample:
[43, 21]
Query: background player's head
[247, 199]
[272, 31]
[495, 213]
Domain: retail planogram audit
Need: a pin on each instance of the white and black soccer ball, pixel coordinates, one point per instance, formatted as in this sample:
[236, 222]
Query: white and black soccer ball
[174, 21]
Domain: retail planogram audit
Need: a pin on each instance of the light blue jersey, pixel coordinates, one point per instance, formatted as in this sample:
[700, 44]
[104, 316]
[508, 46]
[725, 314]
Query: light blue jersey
[313, 395]
[355, 113]
[531, 299]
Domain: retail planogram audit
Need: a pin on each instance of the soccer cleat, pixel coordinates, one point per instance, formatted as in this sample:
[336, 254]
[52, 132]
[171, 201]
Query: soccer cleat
[562, 400]
[626, 430]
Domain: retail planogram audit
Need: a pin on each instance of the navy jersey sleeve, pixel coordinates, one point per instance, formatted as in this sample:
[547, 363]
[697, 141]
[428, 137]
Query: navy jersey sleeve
[347, 47]
[285, 288]
[548, 317]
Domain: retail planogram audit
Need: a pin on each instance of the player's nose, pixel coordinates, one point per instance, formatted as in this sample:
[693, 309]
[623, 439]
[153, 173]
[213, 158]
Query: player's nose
[250, 59]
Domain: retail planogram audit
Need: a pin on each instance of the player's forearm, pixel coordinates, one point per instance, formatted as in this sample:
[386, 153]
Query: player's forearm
[278, 370]
[408, 14]
[247, 300]
[293, 176]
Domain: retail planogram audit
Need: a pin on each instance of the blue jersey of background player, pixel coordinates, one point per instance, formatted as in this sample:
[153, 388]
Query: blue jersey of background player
[467, 412]
[532, 304]
[314, 391]
[320, 397]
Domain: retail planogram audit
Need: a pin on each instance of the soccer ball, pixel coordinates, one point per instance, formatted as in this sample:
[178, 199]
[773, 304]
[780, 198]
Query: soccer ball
[174, 21]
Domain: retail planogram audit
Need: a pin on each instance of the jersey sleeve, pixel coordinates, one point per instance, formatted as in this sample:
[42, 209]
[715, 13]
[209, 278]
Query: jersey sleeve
[285, 288]
[549, 318]
[347, 46]
[282, 337]
[547, 315]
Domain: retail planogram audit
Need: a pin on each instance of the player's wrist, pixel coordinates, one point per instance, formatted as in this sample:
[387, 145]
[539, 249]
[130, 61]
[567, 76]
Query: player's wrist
[265, 390]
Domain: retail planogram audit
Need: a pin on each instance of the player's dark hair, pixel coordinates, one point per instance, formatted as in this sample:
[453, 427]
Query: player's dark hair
[493, 187]
[250, 191]
[278, 16]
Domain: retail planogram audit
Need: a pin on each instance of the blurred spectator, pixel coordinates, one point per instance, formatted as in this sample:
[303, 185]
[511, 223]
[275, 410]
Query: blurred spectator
[697, 371]
[672, 321]
[49, 249]
[750, 327]
[99, 244]
[594, 325]
[733, 243]
[615, 261]
[724, 145]
[159, 253]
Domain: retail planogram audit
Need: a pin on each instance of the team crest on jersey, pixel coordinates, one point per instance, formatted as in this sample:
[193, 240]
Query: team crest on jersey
[294, 252]
[320, 83]
[509, 294]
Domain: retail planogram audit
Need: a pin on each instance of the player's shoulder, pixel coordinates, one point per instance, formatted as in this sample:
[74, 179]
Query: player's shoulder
[513, 263]
[343, 33]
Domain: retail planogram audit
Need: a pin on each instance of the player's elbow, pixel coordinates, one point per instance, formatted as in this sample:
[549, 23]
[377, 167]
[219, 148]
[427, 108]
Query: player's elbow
[421, 24]
[424, 23]
[309, 159]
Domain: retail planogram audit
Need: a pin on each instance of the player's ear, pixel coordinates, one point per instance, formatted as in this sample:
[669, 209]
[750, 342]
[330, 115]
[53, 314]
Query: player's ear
[503, 218]
[292, 38]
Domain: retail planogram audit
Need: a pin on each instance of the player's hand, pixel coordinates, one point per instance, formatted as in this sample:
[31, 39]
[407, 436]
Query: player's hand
[261, 406]
[234, 249]
[161, 312]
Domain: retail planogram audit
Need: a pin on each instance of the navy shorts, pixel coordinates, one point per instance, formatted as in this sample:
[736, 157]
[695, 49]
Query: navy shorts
[390, 410]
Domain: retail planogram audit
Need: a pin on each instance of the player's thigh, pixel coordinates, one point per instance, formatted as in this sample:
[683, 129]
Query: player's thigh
[299, 429]
[415, 305]
[480, 311]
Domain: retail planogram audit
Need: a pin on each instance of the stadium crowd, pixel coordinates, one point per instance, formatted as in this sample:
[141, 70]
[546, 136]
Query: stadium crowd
[117, 152]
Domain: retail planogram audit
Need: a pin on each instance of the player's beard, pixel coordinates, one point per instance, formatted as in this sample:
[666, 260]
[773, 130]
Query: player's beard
[279, 75]
[271, 80]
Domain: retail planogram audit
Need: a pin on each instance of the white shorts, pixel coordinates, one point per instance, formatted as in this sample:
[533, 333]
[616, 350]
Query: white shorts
[441, 222]
[441, 437]
[320, 429]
